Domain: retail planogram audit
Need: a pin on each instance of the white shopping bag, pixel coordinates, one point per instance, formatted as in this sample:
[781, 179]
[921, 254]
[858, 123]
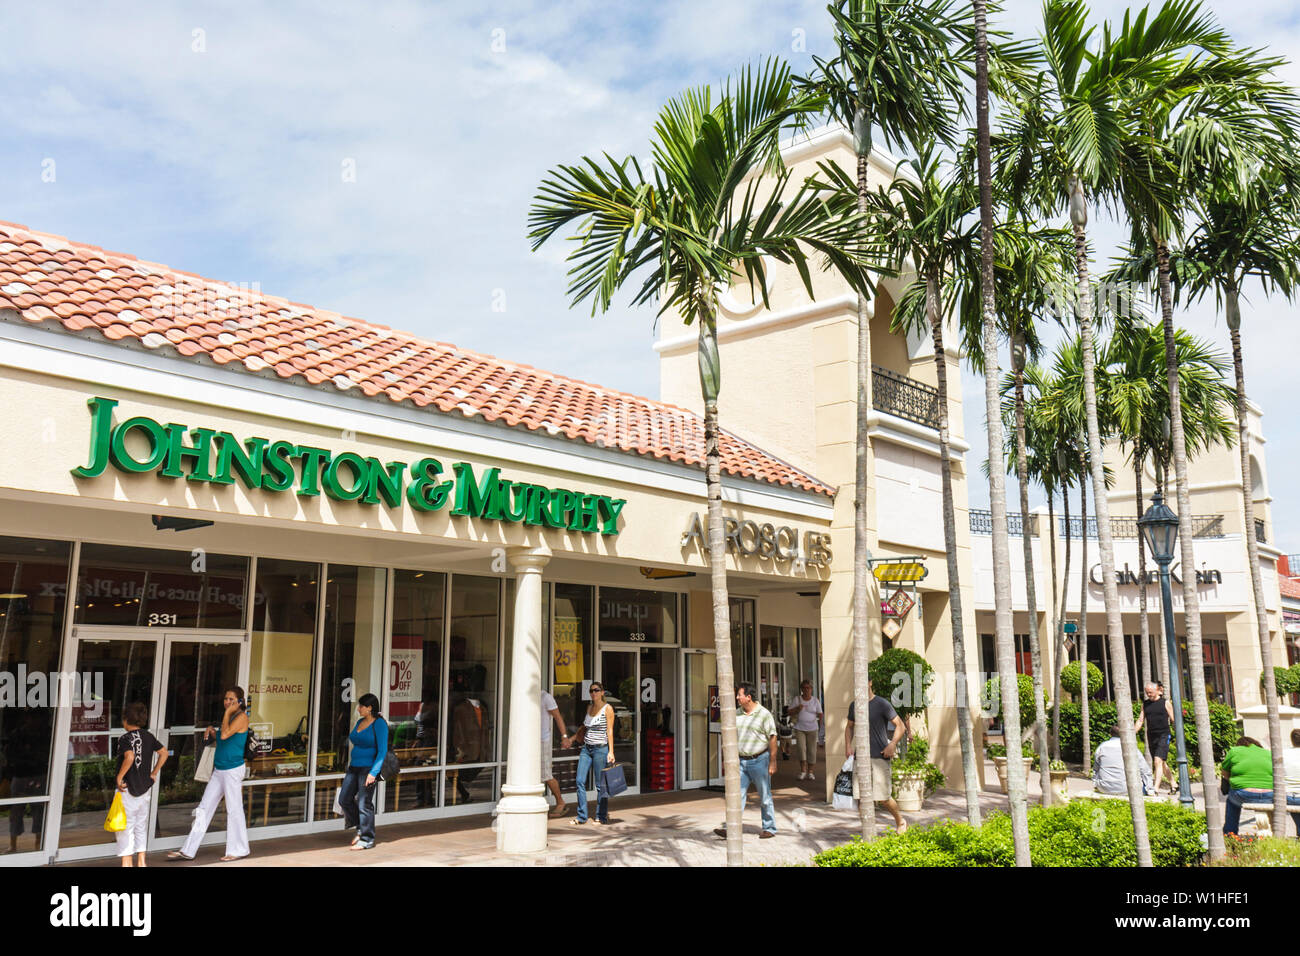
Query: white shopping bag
[338, 806]
[845, 788]
[203, 772]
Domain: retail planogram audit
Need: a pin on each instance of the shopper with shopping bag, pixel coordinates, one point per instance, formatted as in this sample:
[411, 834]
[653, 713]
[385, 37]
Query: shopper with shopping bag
[136, 775]
[228, 771]
[884, 730]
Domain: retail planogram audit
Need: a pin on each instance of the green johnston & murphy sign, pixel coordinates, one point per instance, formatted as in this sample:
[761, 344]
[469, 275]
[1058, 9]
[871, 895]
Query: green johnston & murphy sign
[277, 466]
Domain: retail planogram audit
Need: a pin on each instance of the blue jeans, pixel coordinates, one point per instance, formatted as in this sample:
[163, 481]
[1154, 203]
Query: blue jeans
[593, 757]
[358, 803]
[1232, 812]
[755, 771]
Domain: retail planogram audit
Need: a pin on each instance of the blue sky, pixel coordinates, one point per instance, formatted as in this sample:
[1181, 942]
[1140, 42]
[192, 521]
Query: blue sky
[378, 159]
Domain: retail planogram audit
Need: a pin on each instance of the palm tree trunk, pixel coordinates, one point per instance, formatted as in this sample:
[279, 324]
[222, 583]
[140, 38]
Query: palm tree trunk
[1065, 597]
[1085, 697]
[1006, 648]
[709, 384]
[1058, 637]
[1191, 601]
[1256, 581]
[1031, 597]
[970, 775]
[1105, 539]
[861, 654]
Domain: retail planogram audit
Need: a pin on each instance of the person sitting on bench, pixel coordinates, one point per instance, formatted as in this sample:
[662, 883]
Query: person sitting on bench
[1108, 768]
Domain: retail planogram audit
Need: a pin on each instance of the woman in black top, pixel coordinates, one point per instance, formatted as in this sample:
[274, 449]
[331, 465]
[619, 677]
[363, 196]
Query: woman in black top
[1158, 715]
[135, 779]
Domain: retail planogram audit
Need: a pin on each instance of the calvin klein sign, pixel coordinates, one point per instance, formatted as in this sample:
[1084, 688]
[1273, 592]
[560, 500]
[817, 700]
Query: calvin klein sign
[1129, 576]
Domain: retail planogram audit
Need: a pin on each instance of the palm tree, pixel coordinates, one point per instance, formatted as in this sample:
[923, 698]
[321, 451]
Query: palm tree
[719, 204]
[1031, 266]
[1092, 136]
[1245, 230]
[892, 68]
[1005, 638]
[1213, 115]
[924, 220]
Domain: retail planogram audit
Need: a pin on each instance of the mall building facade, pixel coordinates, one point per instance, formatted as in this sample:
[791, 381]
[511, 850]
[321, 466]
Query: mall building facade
[1223, 583]
[203, 485]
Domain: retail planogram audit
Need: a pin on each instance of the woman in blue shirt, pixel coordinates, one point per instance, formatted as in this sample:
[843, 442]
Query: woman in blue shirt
[357, 796]
[224, 784]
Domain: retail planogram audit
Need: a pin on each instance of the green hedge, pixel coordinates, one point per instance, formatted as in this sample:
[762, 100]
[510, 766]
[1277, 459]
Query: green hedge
[1102, 715]
[1083, 833]
[1287, 680]
[1025, 685]
[1070, 679]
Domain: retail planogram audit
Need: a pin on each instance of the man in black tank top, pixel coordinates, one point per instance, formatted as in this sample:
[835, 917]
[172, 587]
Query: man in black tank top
[1158, 715]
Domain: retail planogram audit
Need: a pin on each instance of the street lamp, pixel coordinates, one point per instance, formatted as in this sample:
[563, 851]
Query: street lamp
[1160, 530]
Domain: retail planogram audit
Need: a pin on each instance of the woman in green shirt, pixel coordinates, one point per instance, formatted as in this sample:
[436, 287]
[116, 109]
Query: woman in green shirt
[1249, 769]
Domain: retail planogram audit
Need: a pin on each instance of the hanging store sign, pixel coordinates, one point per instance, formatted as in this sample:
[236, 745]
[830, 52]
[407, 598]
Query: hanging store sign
[140, 445]
[750, 539]
[901, 603]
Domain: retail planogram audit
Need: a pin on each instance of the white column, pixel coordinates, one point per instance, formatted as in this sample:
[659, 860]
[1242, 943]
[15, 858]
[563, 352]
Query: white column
[522, 811]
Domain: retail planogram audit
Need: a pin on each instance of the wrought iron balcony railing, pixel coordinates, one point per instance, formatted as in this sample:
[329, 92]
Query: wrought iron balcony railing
[1259, 531]
[899, 395]
[981, 522]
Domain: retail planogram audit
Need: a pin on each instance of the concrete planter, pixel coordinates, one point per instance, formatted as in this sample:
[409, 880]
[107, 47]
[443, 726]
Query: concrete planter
[911, 792]
[1000, 765]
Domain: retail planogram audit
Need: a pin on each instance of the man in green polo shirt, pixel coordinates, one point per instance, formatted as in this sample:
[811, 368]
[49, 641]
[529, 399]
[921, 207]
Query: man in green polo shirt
[756, 733]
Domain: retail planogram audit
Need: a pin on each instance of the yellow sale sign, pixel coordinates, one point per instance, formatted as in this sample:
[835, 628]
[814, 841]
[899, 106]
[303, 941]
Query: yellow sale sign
[568, 650]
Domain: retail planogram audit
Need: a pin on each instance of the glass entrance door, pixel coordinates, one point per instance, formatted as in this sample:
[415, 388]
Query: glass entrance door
[620, 674]
[181, 679]
[197, 673]
[122, 670]
[701, 760]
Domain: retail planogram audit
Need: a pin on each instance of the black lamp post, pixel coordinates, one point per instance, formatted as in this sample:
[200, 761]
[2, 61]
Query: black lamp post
[1160, 529]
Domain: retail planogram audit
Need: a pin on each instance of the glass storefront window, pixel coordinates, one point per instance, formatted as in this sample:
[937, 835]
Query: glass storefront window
[351, 658]
[285, 596]
[643, 617]
[573, 657]
[33, 592]
[743, 663]
[154, 587]
[415, 667]
[472, 684]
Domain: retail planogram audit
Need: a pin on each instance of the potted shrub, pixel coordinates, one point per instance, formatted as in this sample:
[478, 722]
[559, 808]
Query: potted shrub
[914, 777]
[998, 754]
[1059, 774]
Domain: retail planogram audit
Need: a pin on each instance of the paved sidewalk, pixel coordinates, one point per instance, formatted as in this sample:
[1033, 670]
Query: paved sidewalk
[656, 830]
[662, 830]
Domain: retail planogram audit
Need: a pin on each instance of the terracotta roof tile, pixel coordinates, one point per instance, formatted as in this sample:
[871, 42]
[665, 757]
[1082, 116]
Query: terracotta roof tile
[1290, 587]
[46, 278]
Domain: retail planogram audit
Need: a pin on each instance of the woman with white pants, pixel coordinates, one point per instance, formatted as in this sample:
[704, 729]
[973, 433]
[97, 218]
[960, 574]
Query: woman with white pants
[136, 776]
[227, 776]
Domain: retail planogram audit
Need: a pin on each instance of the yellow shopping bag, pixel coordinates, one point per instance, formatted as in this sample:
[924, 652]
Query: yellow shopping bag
[116, 819]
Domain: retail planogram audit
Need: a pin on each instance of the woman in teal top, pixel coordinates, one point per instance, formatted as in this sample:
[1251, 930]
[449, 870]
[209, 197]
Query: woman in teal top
[369, 740]
[1249, 769]
[224, 784]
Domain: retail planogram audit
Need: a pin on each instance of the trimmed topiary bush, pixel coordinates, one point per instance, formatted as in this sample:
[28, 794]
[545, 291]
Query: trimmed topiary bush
[1287, 680]
[894, 677]
[1070, 679]
[1025, 684]
[1083, 833]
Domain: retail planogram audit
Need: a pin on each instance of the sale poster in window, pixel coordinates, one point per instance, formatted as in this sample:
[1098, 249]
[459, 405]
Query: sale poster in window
[568, 650]
[405, 676]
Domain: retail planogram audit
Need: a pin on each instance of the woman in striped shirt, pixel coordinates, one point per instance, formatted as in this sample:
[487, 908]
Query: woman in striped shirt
[595, 753]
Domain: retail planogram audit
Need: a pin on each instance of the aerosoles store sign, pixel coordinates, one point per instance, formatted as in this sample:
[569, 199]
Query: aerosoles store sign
[140, 445]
